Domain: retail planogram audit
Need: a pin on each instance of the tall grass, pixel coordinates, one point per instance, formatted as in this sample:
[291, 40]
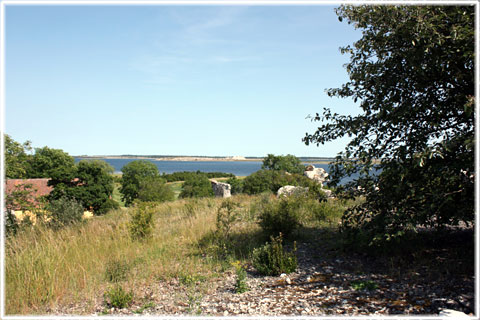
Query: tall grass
[46, 268]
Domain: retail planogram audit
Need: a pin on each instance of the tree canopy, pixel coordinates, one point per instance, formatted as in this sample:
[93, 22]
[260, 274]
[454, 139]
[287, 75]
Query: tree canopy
[288, 163]
[133, 174]
[412, 73]
[17, 165]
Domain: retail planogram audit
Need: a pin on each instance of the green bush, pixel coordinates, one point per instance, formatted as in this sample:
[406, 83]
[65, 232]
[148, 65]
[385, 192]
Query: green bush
[108, 205]
[272, 180]
[117, 297]
[271, 259]
[155, 189]
[64, 211]
[197, 186]
[116, 270]
[280, 216]
[236, 184]
[141, 223]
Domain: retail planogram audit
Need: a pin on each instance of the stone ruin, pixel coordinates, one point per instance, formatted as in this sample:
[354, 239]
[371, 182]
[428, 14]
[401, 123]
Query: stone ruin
[289, 190]
[221, 189]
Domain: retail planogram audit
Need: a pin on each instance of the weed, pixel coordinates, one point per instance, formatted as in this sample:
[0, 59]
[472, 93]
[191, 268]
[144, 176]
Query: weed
[190, 280]
[241, 283]
[363, 285]
[272, 259]
[144, 307]
[117, 297]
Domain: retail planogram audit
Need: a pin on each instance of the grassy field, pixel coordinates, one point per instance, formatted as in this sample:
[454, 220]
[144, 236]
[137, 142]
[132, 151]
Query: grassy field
[46, 268]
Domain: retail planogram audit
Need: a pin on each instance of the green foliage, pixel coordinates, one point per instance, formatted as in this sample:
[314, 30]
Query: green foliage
[64, 211]
[271, 259]
[117, 297]
[227, 215]
[49, 163]
[281, 216]
[197, 186]
[183, 175]
[20, 198]
[141, 223]
[133, 173]
[241, 282]
[288, 163]
[17, 160]
[271, 180]
[363, 285]
[413, 75]
[154, 189]
[236, 185]
[116, 270]
[90, 183]
[108, 205]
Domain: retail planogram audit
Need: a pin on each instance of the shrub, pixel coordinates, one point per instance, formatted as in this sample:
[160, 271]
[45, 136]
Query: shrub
[64, 211]
[272, 180]
[141, 223]
[280, 216]
[116, 270]
[108, 205]
[154, 189]
[241, 283]
[226, 217]
[271, 259]
[117, 297]
[197, 186]
[236, 184]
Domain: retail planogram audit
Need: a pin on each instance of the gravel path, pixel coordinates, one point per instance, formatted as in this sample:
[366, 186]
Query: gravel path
[322, 285]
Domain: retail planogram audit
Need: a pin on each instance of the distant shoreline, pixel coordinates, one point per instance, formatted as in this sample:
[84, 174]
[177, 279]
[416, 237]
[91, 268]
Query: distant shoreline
[199, 158]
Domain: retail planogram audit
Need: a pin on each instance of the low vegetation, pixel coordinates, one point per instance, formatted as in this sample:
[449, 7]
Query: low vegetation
[103, 257]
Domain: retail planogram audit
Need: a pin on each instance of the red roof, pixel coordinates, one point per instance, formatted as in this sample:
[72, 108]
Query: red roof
[38, 188]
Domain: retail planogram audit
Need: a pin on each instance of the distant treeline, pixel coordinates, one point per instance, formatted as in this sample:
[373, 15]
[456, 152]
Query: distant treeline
[183, 175]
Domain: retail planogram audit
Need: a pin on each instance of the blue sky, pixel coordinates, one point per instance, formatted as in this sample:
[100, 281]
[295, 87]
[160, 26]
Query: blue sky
[179, 80]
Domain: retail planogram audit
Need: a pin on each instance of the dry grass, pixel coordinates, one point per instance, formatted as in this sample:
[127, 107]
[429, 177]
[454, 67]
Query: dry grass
[45, 267]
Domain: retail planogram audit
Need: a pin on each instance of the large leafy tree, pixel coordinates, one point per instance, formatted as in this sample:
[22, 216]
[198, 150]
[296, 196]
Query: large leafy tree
[88, 182]
[17, 158]
[288, 163]
[133, 174]
[412, 73]
[47, 162]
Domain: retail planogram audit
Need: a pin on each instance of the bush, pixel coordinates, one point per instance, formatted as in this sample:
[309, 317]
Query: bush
[108, 205]
[272, 180]
[280, 216]
[154, 189]
[236, 184]
[273, 260]
[197, 186]
[141, 223]
[117, 297]
[64, 211]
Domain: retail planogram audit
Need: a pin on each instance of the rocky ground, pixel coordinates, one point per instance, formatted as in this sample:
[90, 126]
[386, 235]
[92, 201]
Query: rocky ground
[326, 283]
